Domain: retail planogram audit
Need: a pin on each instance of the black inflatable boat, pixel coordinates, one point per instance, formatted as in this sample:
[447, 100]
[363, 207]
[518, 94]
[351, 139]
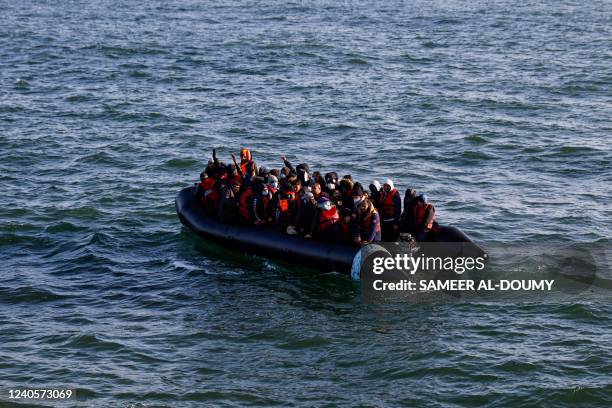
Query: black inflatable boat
[326, 256]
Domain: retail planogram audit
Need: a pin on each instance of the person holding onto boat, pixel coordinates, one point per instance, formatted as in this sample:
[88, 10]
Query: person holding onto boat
[324, 221]
[367, 224]
[390, 207]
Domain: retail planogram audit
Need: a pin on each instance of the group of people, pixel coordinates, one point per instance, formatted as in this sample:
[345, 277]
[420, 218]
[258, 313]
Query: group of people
[296, 201]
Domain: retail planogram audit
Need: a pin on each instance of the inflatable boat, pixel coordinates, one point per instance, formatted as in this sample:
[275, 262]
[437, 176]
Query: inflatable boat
[327, 256]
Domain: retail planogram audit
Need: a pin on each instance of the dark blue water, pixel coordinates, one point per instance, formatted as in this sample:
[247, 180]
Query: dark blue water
[500, 111]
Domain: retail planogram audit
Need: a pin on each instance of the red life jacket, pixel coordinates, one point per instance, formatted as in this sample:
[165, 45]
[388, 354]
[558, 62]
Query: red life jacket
[236, 178]
[328, 218]
[420, 212]
[243, 205]
[386, 203]
[213, 197]
[366, 224]
[208, 184]
[346, 228]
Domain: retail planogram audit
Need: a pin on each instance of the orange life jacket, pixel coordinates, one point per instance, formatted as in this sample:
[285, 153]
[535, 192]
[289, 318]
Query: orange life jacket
[328, 218]
[243, 166]
[243, 206]
[420, 212]
[387, 203]
[283, 205]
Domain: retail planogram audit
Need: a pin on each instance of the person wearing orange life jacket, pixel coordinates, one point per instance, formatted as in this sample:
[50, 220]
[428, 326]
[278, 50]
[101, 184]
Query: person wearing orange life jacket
[245, 159]
[390, 208]
[424, 218]
[284, 205]
[367, 224]
[324, 220]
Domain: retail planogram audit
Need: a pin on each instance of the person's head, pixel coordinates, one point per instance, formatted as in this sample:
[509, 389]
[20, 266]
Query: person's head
[245, 155]
[272, 181]
[263, 172]
[203, 176]
[331, 177]
[346, 186]
[357, 190]
[308, 197]
[324, 204]
[410, 194]
[235, 187]
[233, 170]
[296, 185]
[316, 176]
[348, 177]
[375, 186]
[423, 199]
[388, 186]
[316, 188]
[275, 173]
[365, 207]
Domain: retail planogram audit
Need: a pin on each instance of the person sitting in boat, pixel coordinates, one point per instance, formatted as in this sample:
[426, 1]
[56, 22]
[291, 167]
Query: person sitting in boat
[317, 191]
[245, 159]
[206, 184]
[367, 224]
[301, 171]
[390, 209]
[407, 217]
[306, 211]
[272, 183]
[424, 218]
[331, 179]
[317, 178]
[345, 229]
[228, 205]
[324, 221]
[345, 187]
[375, 189]
[233, 175]
[358, 196]
[284, 205]
[212, 198]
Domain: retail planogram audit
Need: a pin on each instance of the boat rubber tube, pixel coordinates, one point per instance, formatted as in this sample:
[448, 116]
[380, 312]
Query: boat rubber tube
[328, 256]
